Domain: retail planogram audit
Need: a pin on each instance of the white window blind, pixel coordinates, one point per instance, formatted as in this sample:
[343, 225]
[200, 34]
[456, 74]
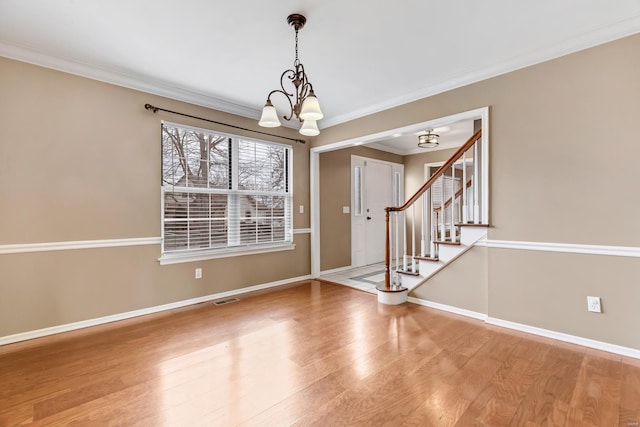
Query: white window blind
[222, 191]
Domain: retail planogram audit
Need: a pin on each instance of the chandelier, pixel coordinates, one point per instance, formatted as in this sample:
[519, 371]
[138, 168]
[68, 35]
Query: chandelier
[428, 140]
[303, 102]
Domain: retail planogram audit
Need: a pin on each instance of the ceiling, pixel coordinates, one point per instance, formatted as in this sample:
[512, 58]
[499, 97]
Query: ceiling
[361, 56]
[450, 136]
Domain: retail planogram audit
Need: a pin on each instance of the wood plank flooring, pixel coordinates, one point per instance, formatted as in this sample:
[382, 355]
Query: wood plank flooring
[314, 354]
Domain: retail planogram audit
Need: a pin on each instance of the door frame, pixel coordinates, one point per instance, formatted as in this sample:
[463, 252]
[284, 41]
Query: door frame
[397, 194]
[314, 167]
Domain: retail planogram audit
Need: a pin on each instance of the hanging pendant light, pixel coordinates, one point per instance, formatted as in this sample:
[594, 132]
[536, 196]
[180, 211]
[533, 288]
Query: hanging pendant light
[303, 102]
[428, 140]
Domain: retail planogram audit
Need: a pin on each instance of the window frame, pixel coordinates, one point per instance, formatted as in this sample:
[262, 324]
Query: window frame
[198, 254]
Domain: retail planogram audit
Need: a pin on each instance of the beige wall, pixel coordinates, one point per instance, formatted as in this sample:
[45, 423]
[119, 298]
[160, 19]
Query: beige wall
[80, 160]
[563, 138]
[461, 284]
[335, 192]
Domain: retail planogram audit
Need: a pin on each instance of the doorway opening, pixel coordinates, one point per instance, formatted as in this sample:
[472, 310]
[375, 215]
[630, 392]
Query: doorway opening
[375, 185]
[371, 141]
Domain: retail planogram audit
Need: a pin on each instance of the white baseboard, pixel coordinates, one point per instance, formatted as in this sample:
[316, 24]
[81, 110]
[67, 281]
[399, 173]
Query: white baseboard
[585, 342]
[336, 270]
[9, 339]
[448, 308]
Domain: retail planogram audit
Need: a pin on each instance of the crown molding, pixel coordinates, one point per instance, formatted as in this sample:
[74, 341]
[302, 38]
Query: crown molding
[131, 81]
[599, 36]
[624, 28]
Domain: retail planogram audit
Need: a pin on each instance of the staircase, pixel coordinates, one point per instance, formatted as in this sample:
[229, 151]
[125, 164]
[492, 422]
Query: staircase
[445, 216]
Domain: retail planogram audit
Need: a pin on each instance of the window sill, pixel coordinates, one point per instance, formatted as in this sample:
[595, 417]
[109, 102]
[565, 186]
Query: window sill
[224, 253]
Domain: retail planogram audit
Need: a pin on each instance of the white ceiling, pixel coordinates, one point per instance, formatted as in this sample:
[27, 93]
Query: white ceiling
[450, 136]
[361, 56]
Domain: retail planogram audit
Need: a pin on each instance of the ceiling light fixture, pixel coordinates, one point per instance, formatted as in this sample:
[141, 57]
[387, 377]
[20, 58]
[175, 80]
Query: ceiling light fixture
[428, 140]
[303, 101]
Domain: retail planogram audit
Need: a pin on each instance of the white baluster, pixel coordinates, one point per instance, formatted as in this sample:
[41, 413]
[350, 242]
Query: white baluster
[465, 217]
[404, 241]
[397, 244]
[424, 226]
[476, 187]
[434, 247]
[452, 229]
[433, 223]
[413, 238]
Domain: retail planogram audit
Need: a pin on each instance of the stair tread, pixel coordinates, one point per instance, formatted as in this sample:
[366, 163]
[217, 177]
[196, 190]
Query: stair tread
[462, 224]
[426, 258]
[408, 273]
[442, 242]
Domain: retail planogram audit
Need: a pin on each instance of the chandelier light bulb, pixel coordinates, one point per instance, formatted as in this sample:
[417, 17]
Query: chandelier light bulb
[309, 128]
[311, 108]
[269, 118]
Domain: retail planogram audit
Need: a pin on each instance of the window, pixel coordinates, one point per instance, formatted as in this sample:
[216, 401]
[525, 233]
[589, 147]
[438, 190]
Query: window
[223, 194]
[357, 191]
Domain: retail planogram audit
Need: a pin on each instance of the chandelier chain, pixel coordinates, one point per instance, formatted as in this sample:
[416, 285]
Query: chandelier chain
[296, 61]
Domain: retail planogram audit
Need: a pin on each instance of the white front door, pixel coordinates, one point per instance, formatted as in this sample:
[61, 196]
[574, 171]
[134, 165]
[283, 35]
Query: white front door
[373, 190]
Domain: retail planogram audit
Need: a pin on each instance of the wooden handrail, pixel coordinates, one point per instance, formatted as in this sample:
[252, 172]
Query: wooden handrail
[416, 196]
[450, 200]
[437, 174]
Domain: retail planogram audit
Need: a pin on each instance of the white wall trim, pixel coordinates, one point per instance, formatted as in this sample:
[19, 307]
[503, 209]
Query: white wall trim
[128, 80]
[19, 248]
[448, 308]
[623, 28]
[79, 244]
[314, 188]
[301, 230]
[619, 30]
[560, 336]
[150, 310]
[585, 342]
[623, 251]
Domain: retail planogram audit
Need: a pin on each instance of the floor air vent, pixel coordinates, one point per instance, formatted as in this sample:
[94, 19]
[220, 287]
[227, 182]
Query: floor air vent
[225, 301]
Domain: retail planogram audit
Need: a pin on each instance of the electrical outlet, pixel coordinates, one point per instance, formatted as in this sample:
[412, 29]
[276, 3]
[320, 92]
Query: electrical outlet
[198, 273]
[593, 304]
[301, 209]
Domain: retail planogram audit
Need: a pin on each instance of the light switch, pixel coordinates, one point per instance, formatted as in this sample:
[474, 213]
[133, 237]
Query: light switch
[345, 209]
[301, 208]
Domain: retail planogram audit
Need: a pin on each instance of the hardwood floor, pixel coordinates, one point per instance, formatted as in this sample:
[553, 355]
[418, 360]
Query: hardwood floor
[314, 354]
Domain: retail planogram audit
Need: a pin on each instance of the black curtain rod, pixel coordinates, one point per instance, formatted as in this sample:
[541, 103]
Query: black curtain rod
[156, 109]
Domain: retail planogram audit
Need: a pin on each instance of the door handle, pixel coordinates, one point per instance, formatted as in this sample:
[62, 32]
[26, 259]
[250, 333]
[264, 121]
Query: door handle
[368, 217]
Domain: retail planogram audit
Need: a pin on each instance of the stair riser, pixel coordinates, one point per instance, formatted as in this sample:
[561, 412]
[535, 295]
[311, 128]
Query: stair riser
[470, 235]
[410, 281]
[426, 268]
[449, 252]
